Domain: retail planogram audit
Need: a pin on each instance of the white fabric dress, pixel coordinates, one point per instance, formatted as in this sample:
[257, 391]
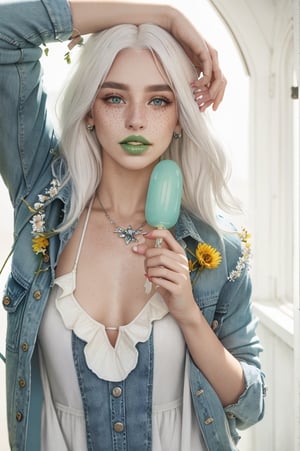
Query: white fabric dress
[174, 425]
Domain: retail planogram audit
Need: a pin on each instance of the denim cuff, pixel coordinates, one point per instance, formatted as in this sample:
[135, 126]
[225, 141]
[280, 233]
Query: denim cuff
[250, 407]
[61, 18]
[26, 24]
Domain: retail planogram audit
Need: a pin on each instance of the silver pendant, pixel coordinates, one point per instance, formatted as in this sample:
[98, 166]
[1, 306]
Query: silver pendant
[129, 234]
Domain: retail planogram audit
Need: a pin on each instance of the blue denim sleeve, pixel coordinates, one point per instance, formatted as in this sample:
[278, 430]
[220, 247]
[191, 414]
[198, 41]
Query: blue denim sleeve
[26, 132]
[238, 335]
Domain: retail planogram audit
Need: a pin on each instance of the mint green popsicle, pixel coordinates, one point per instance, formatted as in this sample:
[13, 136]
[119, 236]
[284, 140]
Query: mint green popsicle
[164, 195]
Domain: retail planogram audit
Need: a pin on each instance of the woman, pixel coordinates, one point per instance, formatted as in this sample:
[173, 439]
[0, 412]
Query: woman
[95, 360]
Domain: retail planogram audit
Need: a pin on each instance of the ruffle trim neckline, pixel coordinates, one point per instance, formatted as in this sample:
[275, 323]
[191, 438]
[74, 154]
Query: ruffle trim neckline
[107, 362]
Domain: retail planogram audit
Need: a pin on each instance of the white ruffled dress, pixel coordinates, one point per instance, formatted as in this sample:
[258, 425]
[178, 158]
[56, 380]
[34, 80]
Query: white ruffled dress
[174, 425]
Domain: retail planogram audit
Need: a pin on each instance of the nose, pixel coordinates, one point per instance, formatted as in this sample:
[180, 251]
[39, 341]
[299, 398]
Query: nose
[136, 117]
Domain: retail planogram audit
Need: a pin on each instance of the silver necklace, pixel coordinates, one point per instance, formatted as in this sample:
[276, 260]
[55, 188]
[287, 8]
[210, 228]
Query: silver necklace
[127, 233]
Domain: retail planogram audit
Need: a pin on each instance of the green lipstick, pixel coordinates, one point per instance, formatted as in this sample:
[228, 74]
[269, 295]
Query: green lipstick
[135, 145]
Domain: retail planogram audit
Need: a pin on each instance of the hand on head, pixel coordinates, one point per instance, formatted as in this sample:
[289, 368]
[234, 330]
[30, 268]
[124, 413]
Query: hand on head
[98, 15]
[210, 87]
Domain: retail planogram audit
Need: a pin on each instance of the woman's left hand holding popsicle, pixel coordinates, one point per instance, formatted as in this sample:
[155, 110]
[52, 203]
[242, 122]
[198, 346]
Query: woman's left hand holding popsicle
[167, 269]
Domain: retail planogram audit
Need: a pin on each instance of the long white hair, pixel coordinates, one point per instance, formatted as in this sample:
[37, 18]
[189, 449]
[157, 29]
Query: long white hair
[201, 158]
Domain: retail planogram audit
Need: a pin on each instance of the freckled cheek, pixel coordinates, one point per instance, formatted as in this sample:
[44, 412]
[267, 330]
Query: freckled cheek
[155, 123]
[161, 124]
[108, 119]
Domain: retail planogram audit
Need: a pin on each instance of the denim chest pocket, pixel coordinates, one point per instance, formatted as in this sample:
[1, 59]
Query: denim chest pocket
[213, 311]
[14, 304]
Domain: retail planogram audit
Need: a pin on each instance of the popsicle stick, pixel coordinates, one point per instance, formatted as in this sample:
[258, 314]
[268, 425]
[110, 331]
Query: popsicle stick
[158, 241]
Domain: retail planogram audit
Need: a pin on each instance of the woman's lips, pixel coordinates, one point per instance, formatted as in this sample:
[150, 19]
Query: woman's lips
[135, 145]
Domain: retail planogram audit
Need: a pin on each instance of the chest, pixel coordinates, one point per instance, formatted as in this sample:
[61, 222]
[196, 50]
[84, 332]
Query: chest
[109, 275]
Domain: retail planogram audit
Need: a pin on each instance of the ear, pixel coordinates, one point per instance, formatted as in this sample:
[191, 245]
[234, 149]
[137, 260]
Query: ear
[178, 129]
[89, 120]
[89, 115]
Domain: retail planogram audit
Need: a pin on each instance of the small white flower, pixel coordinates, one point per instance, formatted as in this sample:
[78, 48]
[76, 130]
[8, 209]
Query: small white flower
[53, 190]
[42, 198]
[38, 205]
[244, 260]
[40, 240]
[38, 223]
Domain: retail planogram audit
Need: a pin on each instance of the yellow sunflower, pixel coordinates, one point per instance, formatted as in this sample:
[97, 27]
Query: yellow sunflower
[207, 256]
[40, 244]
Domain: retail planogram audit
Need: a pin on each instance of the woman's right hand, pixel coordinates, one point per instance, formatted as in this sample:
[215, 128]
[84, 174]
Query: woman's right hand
[210, 87]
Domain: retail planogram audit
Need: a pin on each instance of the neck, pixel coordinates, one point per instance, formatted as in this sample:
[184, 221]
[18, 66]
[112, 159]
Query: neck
[124, 195]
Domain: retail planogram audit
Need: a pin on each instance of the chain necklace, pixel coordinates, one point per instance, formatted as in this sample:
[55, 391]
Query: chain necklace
[127, 233]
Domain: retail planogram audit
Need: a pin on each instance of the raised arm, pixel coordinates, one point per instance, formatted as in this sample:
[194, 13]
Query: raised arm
[26, 134]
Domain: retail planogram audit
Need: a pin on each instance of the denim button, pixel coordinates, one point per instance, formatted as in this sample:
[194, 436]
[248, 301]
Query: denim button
[6, 300]
[117, 392]
[118, 427]
[19, 416]
[209, 421]
[24, 347]
[199, 392]
[37, 295]
[46, 258]
[22, 383]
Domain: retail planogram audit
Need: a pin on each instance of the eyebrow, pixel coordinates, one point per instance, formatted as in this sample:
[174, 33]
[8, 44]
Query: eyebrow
[124, 87]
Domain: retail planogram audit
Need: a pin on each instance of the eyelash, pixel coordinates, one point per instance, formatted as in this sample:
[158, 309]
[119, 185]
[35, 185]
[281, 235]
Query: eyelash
[108, 99]
[164, 100]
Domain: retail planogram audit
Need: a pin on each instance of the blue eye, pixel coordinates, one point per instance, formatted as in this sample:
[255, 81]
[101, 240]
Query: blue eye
[158, 101]
[116, 100]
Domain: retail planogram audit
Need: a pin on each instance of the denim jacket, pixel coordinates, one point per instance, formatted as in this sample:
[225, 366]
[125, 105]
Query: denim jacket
[27, 161]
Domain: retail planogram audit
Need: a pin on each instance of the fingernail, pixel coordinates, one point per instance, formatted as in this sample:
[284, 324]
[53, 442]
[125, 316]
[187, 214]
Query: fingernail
[134, 248]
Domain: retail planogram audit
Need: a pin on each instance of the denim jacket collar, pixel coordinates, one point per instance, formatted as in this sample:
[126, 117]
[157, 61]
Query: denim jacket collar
[185, 227]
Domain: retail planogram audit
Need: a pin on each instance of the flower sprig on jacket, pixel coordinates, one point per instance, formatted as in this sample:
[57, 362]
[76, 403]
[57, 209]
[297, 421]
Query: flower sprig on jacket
[40, 239]
[77, 40]
[205, 257]
[244, 260]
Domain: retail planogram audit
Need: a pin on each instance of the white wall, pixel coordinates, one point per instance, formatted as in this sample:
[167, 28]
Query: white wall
[264, 31]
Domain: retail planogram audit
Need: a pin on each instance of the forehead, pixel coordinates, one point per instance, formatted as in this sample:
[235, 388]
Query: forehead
[137, 67]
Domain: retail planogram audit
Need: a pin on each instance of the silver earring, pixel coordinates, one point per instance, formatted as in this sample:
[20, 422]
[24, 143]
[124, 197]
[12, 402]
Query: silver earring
[90, 127]
[177, 135]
